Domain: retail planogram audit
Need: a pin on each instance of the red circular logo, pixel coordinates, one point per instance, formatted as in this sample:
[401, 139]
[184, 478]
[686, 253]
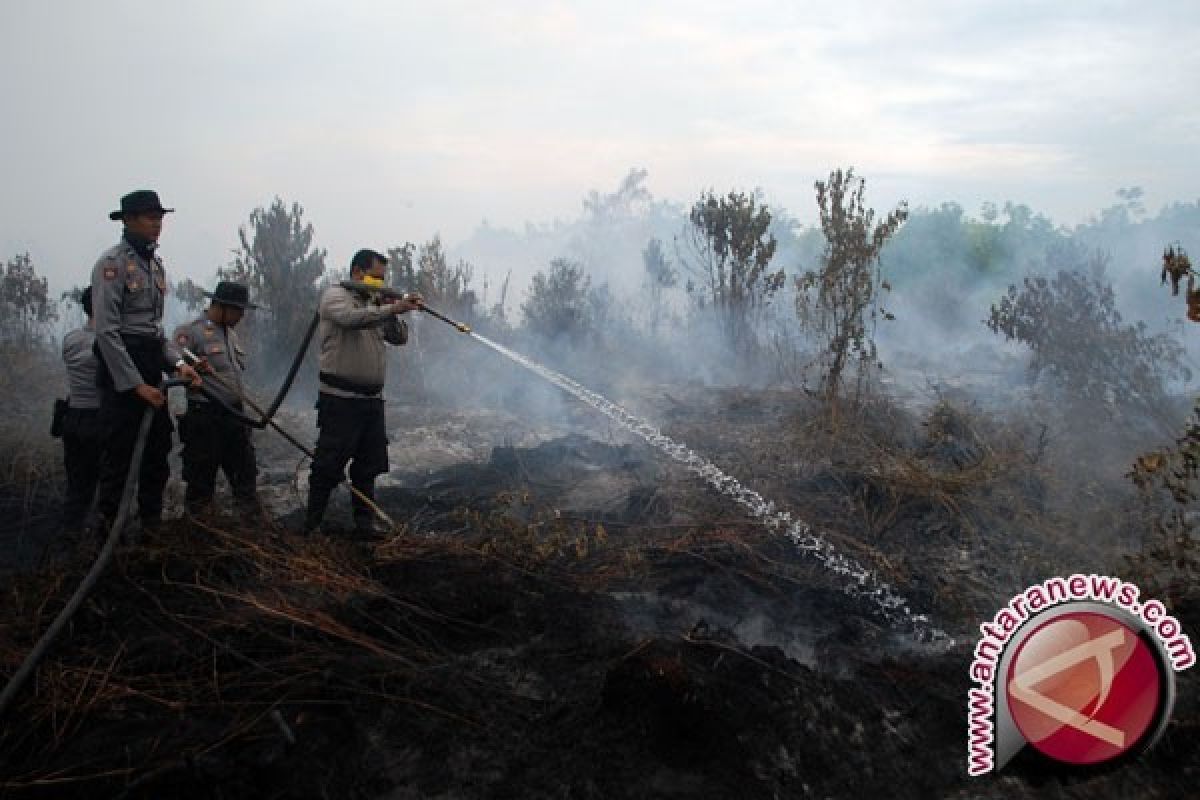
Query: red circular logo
[1084, 688]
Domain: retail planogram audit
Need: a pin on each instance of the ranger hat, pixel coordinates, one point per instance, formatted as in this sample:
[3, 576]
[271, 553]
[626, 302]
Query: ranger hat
[231, 293]
[138, 201]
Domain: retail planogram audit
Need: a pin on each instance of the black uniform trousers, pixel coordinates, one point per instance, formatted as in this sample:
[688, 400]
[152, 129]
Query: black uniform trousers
[83, 442]
[121, 415]
[351, 429]
[213, 439]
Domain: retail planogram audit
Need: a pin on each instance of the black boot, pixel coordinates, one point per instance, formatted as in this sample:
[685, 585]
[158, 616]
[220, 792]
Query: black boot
[364, 517]
[198, 500]
[251, 511]
[318, 499]
[152, 524]
[96, 529]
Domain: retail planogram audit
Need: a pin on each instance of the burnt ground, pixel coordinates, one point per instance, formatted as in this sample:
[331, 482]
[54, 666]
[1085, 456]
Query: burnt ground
[564, 614]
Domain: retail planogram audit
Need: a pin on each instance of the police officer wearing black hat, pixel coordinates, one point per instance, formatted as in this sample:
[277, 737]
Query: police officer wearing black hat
[129, 288]
[213, 437]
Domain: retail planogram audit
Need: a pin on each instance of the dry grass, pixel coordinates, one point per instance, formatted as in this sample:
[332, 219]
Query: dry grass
[966, 504]
[230, 639]
[218, 629]
[31, 469]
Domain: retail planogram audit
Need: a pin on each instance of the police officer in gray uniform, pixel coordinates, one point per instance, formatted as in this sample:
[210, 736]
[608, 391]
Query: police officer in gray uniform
[355, 328]
[82, 435]
[213, 438]
[129, 287]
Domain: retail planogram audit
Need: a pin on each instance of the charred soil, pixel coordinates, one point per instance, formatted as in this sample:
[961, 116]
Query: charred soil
[570, 618]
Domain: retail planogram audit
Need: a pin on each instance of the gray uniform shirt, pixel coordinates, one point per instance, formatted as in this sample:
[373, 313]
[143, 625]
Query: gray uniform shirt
[82, 363]
[128, 293]
[353, 333]
[221, 346]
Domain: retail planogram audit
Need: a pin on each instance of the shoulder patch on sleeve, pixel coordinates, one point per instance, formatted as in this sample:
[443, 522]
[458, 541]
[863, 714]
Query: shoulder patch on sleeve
[110, 272]
[183, 339]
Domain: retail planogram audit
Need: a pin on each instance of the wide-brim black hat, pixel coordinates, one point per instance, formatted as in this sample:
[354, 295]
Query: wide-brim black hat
[137, 202]
[231, 293]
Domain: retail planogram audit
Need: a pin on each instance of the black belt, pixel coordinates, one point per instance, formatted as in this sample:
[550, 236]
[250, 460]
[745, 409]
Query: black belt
[146, 353]
[351, 386]
[204, 404]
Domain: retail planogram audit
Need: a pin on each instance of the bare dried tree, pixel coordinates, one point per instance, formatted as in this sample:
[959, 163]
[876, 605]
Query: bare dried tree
[838, 303]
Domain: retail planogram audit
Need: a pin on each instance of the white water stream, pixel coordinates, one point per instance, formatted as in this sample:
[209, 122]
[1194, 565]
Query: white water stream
[856, 579]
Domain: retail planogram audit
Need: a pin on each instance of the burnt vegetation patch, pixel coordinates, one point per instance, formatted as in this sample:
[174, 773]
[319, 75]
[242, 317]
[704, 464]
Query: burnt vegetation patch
[220, 663]
[537, 634]
[571, 614]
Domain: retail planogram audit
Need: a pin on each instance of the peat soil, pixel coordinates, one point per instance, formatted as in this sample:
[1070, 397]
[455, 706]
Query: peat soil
[563, 615]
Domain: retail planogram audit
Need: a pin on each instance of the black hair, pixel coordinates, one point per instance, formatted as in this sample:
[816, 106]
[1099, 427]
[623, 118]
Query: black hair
[85, 300]
[364, 258]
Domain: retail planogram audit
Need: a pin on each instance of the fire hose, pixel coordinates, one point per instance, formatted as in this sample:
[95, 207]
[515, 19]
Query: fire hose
[266, 418]
[367, 501]
[17, 681]
[93, 575]
[387, 293]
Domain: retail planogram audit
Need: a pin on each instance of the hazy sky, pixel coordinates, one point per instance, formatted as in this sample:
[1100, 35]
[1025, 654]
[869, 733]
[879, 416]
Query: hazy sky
[393, 120]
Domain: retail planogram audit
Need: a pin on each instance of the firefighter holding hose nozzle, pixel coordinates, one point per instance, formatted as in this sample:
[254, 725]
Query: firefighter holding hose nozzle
[355, 328]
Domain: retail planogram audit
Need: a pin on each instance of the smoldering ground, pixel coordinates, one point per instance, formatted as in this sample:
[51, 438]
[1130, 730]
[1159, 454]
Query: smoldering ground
[567, 612]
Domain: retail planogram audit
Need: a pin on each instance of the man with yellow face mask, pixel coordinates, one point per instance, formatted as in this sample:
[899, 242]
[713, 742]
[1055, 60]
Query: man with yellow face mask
[355, 329]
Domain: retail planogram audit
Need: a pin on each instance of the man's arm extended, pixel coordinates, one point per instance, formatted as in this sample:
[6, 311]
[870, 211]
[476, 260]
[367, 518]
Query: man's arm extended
[337, 306]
